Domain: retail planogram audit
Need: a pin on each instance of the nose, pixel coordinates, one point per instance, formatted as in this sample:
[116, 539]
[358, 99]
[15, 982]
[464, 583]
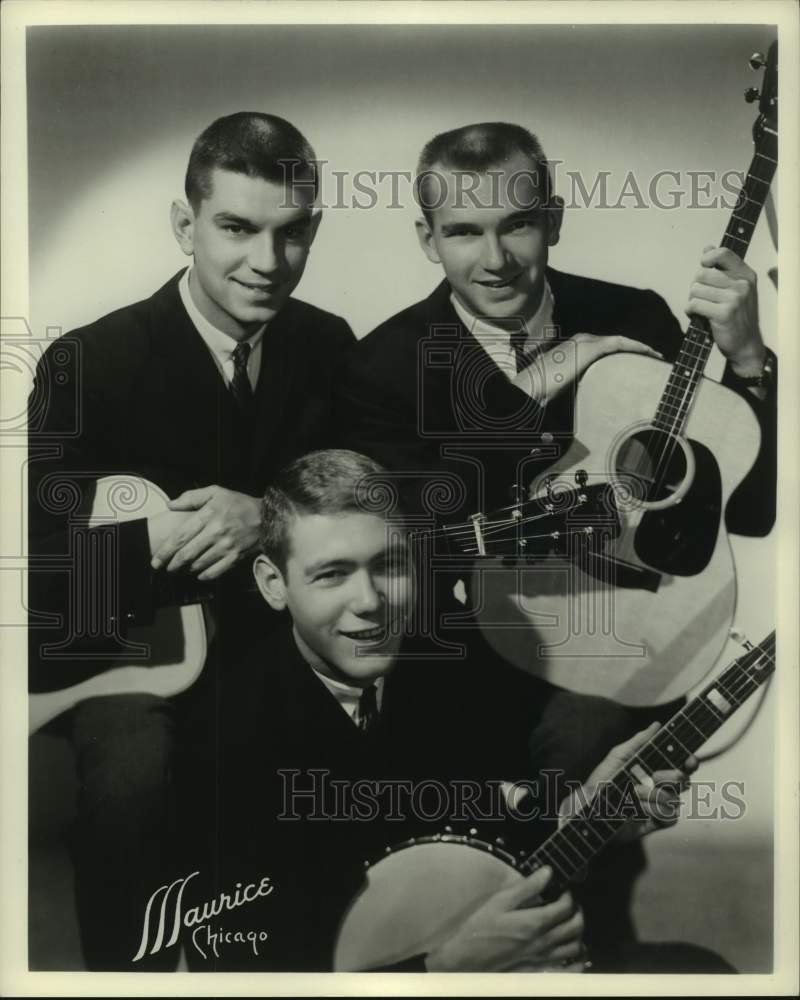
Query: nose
[493, 256]
[264, 255]
[366, 597]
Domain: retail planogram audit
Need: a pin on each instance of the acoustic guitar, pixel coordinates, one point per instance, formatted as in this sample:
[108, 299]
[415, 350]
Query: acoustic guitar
[162, 658]
[417, 895]
[641, 614]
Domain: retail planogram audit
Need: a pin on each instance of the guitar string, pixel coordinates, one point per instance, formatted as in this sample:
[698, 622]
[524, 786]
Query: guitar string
[747, 674]
[693, 364]
[734, 687]
[705, 346]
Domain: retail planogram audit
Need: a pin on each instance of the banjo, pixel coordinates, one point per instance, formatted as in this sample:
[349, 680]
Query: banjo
[422, 890]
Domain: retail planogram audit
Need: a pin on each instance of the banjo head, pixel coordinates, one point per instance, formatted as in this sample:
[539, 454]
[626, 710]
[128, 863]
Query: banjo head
[416, 896]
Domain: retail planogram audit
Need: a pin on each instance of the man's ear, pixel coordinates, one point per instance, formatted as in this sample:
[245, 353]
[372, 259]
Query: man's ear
[316, 218]
[426, 240]
[270, 582]
[181, 218]
[555, 216]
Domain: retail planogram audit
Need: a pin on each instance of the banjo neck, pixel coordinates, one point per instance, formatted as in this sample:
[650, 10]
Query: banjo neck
[580, 838]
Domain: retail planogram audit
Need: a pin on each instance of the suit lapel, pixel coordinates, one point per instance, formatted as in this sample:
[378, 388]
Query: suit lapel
[281, 350]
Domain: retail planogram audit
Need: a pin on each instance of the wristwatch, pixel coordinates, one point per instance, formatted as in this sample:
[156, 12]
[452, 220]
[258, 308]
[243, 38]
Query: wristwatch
[765, 377]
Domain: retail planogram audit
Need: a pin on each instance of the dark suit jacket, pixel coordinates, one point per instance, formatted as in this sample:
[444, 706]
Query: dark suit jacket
[420, 395]
[273, 726]
[138, 392]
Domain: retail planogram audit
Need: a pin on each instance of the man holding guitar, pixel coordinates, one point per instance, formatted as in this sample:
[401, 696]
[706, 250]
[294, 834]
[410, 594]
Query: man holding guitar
[477, 382]
[204, 389]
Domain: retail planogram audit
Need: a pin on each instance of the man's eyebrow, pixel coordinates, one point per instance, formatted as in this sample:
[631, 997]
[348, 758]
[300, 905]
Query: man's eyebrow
[449, 227]
[239, 220]
[326, 564]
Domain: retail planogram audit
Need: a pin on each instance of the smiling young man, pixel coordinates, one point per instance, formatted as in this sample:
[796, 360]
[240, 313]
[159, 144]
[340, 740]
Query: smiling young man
[471, 379]
[336, 739]
[206, 388]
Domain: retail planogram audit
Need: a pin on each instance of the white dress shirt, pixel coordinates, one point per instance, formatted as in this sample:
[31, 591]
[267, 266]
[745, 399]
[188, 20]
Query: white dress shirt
[496, 341]
[221, 345]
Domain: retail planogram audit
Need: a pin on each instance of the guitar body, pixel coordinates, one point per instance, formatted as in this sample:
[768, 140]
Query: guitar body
[416, 897]
[643, 616]
[168, 655]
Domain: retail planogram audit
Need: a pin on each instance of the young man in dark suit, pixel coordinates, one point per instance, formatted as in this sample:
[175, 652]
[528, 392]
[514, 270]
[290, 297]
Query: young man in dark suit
[321, 744]
[469, 381]
[206, 388]
[474, 387]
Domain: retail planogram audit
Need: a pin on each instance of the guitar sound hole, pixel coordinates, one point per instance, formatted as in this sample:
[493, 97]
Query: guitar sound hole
[654, 463]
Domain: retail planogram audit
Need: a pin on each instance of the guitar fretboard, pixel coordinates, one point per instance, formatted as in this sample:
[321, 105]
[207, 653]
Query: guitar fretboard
[697, 343]
[571, 847]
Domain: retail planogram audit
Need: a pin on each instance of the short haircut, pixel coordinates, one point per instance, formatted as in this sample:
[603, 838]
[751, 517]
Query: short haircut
[335, 481]
[251, 143]
[477, 148]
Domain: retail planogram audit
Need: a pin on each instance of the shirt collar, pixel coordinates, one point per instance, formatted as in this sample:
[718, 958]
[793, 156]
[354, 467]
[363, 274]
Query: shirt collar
[221, 344]
[347, 695]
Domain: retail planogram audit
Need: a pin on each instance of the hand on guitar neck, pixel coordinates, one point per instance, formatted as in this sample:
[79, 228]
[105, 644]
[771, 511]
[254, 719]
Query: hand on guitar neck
[724, 292]
[510, 932]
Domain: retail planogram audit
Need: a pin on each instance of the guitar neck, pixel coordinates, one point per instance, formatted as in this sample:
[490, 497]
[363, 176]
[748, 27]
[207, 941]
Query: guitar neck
[577, 842]
[697, 343]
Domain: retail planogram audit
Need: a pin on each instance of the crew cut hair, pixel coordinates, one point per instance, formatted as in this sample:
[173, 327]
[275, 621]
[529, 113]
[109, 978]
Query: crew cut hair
[478, 148]
[251, 143]
[333, 481]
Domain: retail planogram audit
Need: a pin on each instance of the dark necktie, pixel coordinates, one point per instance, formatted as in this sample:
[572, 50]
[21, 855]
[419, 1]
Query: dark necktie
[518, 338]
[240, 383]
[368, 709]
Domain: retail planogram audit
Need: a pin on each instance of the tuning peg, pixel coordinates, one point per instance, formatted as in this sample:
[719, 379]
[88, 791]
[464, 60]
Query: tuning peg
[757, 60]
[741, 638]
[751, 94]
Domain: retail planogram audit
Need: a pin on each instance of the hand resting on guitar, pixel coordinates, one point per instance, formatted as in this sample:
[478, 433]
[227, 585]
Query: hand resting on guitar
[544, 378]
[512, 933]
[207, 531]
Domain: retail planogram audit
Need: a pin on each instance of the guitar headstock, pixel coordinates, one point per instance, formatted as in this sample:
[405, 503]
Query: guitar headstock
[765, 128]
[563, 522]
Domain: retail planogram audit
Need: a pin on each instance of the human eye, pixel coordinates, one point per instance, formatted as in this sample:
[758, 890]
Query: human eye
[233, 228]
[460, 232]
[329, 577]
[521, 225]
[297, 232]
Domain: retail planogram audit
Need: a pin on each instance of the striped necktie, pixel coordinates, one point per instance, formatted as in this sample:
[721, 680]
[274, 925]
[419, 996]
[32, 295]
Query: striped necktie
[240, 383]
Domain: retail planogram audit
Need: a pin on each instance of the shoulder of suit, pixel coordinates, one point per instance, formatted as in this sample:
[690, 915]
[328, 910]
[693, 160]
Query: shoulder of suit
[318, 322]
[396, 339]
[597, 291]
[121, 340]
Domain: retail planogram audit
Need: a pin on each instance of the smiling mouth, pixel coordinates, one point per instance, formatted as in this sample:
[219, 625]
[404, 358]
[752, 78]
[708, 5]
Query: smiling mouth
[368, 634]
[264, 289]
[499, 283]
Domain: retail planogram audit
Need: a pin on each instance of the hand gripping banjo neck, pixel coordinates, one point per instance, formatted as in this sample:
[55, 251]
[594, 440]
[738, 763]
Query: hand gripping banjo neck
[572, 846]
[420, 892]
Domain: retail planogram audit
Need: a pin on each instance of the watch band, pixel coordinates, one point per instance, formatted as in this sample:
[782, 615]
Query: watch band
[765, 377]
